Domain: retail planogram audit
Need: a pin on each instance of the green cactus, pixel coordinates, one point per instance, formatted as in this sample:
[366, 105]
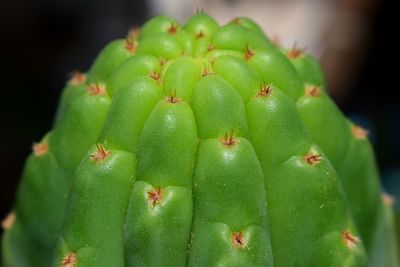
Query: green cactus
[199, 145]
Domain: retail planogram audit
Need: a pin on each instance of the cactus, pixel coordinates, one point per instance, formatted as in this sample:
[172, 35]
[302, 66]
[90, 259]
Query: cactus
[199, 145]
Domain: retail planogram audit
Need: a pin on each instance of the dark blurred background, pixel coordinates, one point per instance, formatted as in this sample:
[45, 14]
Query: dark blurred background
[42, 42]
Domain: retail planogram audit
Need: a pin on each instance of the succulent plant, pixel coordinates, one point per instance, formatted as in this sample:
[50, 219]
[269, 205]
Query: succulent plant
[200, 145]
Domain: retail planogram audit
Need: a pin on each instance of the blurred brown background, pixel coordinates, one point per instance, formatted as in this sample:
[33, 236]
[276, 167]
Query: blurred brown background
[42, 41]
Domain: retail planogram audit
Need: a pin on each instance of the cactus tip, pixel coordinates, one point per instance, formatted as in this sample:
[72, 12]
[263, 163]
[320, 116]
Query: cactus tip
[387, 199]
[295, 52]
[312, 90]
[77, 78]
[131, 40]
[130, 45]
[172, 29]
[69, 260]
[229, 140]
[248, 53]
[237, 21]
[173, 99]
[8, 221]
[96, 89]
[206, 71]
[199, 35]
[265, 90]
[359, 132]
[275, 40]
[163, 61]
[155, 196]
[313, 158]
[350, 240]
[40, 149]
[199, 10]
[134, 32]
[100, 154]
[210, 47]
[156, 76]
[238, 240]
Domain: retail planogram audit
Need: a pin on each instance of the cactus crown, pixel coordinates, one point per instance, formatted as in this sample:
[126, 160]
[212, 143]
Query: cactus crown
[198, 145]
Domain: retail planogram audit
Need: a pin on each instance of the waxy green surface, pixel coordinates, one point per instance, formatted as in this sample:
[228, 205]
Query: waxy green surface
[209, 153]
[46, 181]
[351, 154]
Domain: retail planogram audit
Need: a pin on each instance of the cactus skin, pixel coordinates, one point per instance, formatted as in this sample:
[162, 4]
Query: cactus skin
[47, 178]
[352, 156]
[102, 183]
[385, 247]
[197, 145]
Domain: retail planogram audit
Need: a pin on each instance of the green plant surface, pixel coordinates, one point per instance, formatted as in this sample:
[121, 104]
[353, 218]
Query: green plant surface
[200, 145]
